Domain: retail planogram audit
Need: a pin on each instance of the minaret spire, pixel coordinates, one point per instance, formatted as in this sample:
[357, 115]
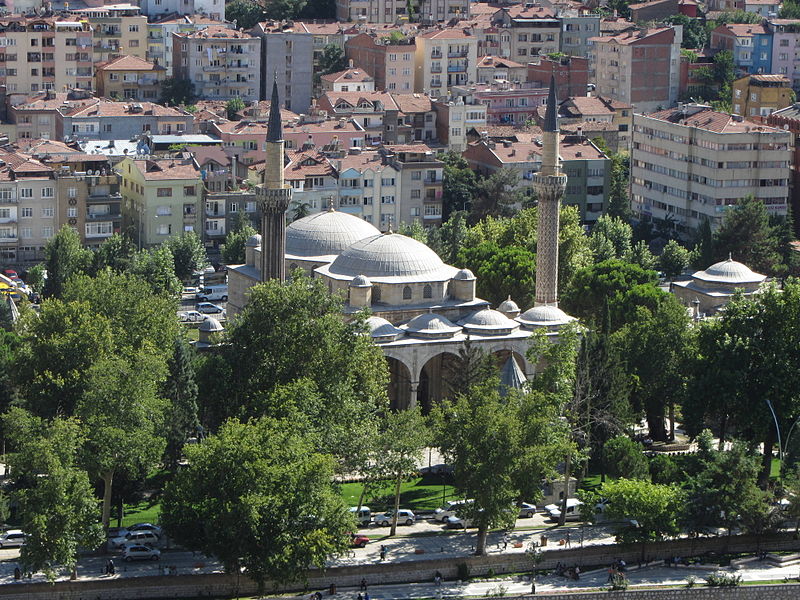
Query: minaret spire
[274, 130]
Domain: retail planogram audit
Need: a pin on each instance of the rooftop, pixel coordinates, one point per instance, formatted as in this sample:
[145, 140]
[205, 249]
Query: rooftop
[217, 31]
[710, 120]
[128, 63]
[167, 169]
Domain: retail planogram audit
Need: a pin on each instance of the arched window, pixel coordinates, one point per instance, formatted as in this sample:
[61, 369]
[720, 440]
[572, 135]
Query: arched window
[407, 293]
[376, 293]
[427, 292]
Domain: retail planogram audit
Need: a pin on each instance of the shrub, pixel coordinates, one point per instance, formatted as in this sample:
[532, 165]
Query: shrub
[723, 580]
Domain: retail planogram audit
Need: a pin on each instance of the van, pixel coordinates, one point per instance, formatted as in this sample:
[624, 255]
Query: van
[448, 510]
[363, 516]
[573, 510]
[13, 538]
[212, 292]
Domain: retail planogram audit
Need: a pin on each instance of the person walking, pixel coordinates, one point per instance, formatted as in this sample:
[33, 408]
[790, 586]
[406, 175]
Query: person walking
[567, 539]
[363, 586]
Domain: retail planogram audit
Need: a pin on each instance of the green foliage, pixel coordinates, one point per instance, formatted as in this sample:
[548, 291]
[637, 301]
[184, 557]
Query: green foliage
[611, 238]
[448, 239]
[703, 255]
[115, 253]
[689, 55]
[640, 255]
[188, 254]
[501, 271]
[300, 210]
[35, 278]
[695, 34]
[723, 580]
[496, 195]
[157, 267]
[647, 511]
[620, 6]
[458, 184]
[233, 251]
[472, 367]
[619, 204]
[180, 389]
[735, 16]
[9, 347]
[413, 230]
[789, 10]
[64, 256]
[233, 107]
[246, 13]
[260, 497]
[332, 60]
[664, 470]
[624, 458]
[176, 91]
[674, 259]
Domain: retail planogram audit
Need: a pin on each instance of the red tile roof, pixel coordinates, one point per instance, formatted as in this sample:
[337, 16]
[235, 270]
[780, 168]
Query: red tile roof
[128, 63]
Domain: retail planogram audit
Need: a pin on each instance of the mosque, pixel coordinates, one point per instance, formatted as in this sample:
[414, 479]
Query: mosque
[423, 310]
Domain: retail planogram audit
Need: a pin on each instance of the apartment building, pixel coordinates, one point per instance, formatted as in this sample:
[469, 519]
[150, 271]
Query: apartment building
[532, 30]
[37, 116]
[455, 117]
[38, 54]
[160, 30]
[690, 163]
[160, 198]
[750, 44]
[352, 79]
[577, 30]
[416, 121]
[389, 61]
[130, 78]
[315, 180]
[491, 69]
[212, 9]
[376, 112]
[571, 74]
[641, 68]
[222, 63]
[420, 183]
[758, 96]
[108, 120]
[788, 119]
[392, 11]
[786, 49]
[506, 103]
[118, 29]
[445, 58]
[585, 111]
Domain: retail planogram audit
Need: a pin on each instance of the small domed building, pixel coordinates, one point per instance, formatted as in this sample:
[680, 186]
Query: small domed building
[708, 291]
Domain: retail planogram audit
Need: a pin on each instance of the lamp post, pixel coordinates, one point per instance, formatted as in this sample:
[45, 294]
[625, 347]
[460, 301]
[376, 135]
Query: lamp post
[782, 448]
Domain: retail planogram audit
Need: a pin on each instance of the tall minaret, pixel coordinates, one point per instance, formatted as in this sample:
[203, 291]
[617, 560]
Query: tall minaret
[273, 197]
[549, 184]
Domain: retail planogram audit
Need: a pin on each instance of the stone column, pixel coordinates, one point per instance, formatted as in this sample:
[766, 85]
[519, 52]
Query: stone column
[412, 400]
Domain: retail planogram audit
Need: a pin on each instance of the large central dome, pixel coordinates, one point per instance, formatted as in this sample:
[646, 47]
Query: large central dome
[325, 234]
[390, 255]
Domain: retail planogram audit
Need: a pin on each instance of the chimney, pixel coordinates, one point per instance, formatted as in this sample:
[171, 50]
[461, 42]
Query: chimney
[233, 172]
[350, 64]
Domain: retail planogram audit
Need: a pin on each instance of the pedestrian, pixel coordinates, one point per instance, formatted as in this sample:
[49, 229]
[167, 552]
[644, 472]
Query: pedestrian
[366, 595]
[610, 575]
[437, 579]
[533, 587]
[111, 568]
[383, 553]
[359, 597]
[622, 565]
[577, 572]
[363, 587]
[17, 573]
[505, 541]
[567, 538]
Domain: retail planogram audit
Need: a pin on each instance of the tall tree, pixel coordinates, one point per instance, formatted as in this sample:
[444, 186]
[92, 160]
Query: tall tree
[747, 236]
[259, 497]
[233, 251]
[619, 203]
[613, 231]
[157, 267]
[175, 91]
[64, 256]
[188, 254]
[458, 184]
[234, 106]
[332, 60]
[448, 239]
[624, 458]
[246, 13]
[501, 271]
[674, 259]
[115, 253]
[473, 366]
[180, 390]
[496, 195]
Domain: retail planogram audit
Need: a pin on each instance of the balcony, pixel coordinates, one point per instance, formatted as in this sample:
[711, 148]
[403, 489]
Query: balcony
[109, 216]
[147, 81]
[458, 54]
[9, 239]
[215, 214]
[189, 219]
[435, 181]
[436, 55]
[456, 68]
[436, 69]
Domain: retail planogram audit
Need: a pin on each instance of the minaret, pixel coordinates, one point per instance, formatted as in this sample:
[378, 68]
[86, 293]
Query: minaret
[273, 197]
[549, 184]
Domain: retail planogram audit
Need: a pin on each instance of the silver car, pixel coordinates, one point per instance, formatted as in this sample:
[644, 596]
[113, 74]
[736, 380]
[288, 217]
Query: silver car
[140, 552]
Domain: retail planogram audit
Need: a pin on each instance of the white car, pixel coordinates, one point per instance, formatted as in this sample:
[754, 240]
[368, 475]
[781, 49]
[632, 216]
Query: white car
[526, 510]
[13, 538]
[457, 523]
[134, 537]
[209, 308]
[140, 552]
[146, 527]
[363, 516]
[448, 510]
[191, 316]
[404, 516]
[573, 510]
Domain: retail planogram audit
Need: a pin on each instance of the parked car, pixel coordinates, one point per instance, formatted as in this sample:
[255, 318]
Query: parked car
[13, 538]
[191, 316]
[140, 552]
[363, 516]
[457, 523]
[209, 308]
[134, 537]
[11, 273]
[212, 292]
[573, 510]
[404, 516]
[526, 510]
[358, 541]
[146, 527]
[448, 510]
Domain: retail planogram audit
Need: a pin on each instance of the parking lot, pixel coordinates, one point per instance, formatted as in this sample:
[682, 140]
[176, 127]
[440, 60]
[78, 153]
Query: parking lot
[426, 525]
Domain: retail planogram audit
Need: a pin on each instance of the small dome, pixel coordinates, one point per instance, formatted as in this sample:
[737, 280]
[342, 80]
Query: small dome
[464, 275]
[729, 271]
[211, 325]
[508, 306]
[360, 281]
[253, 241]
[544, 316]
[325, 234]
[382, 330]
[431, 324]
[488, 320]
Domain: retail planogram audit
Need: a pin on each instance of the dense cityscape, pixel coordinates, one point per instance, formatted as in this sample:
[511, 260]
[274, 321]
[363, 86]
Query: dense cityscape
[379, 299]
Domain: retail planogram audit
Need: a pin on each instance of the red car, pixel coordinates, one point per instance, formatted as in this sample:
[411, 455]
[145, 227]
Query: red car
[11, 273]
[358, 541]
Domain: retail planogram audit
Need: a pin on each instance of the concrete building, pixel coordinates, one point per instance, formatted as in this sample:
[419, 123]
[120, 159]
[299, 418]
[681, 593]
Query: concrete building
[213, 9]
[389, 61]
[585, 111]
[577, 30]
[39, 54]
[758, 96]
[491, 69]
[445, 58]
[160, 198]
[421, 177]
[691, 163]
[750, 44]
[455, 117]
[640, 68]
[764, 8]
[532, 30]
[710, 290]
[571, 74]
[108, 120]
[130, 78]
[352, 79]
[118, 29]
[376, 112]
[37, 116]
[788, 119]
[416, 121]
[160, 30]
[222, 63]
[392, 11]
[785, 42]
[506, 103]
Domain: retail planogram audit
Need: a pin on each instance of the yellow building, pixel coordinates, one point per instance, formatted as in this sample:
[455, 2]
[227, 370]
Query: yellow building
[160, 198]
[117, 30]
[129, 78]
[761, 95]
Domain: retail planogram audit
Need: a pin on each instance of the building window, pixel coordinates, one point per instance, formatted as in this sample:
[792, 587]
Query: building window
[164, 229]
[72, 211]
[26, 232]
[47, 192]
[27, 212]
[164, 192]
[26, 193]
[427, 292]
[164, 211]
[407, 293]
[189, 190]
[47, 232]
[48, 211]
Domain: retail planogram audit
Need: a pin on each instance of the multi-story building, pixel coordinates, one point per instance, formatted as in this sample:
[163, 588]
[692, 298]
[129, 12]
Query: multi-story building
[788, 119]
[416, 121]
[445, 58]
[130, 78]
[376, 112]
[455, 117]
[587, 110]
[213, 9]
[315, 181]
[577, 29]
[763, 8]
[533, 30]
[391, 11]
[38, 54]
[222, 63]
[689, 164]
[506, 103]
[160, 198]
[118, 29]
[352, 79]
[757, 96]
[641, 68]
[492, 68]
[750, 44]
[571, 74]
[785, 48]
[37, 116]
[390, 61]
[108, 120]
[420, 182]
[159, 35]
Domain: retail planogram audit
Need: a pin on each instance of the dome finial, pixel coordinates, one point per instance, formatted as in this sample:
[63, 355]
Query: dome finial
[330, 204]
[730, 256]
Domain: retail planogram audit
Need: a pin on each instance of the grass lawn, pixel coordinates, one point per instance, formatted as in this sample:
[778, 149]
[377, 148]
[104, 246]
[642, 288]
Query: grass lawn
[192, 334]
[147, 511]
[421, 493]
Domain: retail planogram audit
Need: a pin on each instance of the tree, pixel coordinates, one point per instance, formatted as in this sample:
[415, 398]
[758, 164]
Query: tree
[157, 267]
[789, 10]
[647, 511]
[233, 251]
[614, 233]
[703, 256]
[300, 210]
[64, 256]
[35, 278]
[674, 259]
[747, 236]
[332, 60]
[233, 107]
[188, 254]
[115, 253]
[624, 458]
[57, 507]
[471, 367]
[175, 91]
[400, 448]
[496, 195]
[619, 204]
[9, 347]
[180, 390]
[458, 184]
[640, 255]
[501, 271]
[259, 496]
[695, 34]
[246, 13]
[448, 239]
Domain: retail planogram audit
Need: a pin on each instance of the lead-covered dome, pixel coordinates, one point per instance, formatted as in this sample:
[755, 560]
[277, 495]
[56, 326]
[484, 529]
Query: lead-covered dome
[254, 241]
[544, 316]
[431, 325]
[382, 330]
[488, 321]
[509, 307]
[390, 258]
[729, 271]
[325, 234]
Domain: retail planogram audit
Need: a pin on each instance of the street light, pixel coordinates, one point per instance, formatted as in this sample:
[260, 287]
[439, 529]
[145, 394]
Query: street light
[781, 448]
